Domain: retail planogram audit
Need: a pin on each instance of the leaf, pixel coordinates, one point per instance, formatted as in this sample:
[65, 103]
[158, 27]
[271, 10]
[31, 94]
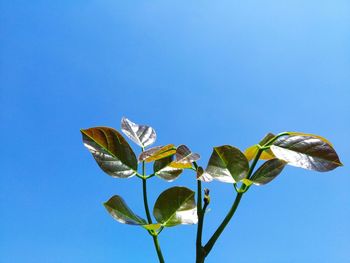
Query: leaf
[265, 155]
[111, 151]
[157, 153]
[266, 139]
[184, 158]
[142, 135]
[185, 155]
[202, 175]
[268, 171]
[176, 206]
[252, 151]
[307, 152]
[227, 164]
[162, 169]
[311, 135]
[118, 209]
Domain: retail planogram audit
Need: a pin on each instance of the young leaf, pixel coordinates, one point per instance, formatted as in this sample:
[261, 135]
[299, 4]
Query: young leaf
[111, 151]
[268, 171]
[157, 153]
[266, 139]
[202, 175]
[252, 151]
[227, 164]
[176, 206]
[118, 209]
[142, 135]
[162, 169]
[307, 152]
[184, 158]
[265, 155]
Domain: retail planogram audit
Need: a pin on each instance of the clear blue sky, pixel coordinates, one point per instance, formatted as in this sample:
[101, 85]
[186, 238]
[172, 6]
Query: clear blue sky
[202, 73]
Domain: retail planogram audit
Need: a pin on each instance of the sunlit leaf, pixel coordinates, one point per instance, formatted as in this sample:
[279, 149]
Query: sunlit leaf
[307, 152]
[162, 169]
[253, 150]
[311, 135]
[157, 153]
[176, 206]
[267, 154]
[119, 210]
[266, 139]
[111, 151]
[227, 164]
[202, 175]
[268, 171]
[184, 158]
[142, 135]
[185, 155]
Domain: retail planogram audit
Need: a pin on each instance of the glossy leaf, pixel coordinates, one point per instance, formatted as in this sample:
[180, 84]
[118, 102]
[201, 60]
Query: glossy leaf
[185, 155]
[268, 171]
[142, 135]
[202, 175]
[252, 151]
[119, 210]
[162, 169]
[265, 155]
[311, 135]
[266, 139]
[184, 158]
[227, 164]
[157, 153]
[176, 206]
[307, 152]
[111, 151]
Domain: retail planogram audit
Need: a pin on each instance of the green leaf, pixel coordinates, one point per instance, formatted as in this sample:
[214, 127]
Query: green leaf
[266, 154]
[118, 209]
[184, 158]
[157, 153]
[306, 152]
[227, 164]
[176, 206]
[268, 171]
[111, 151]
[142, 135]
[162, 169]
[266, 139]
[311, 135]
[253, 150]
[202, 175]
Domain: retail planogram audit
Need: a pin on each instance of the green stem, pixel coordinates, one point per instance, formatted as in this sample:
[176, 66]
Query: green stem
[201, 253]
[208, 247]
[199, 248]
[214, 238]
[159, 251]
[149, 218]
[145, 200]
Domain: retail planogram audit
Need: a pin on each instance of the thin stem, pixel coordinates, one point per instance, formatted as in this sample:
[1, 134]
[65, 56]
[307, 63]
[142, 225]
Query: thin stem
[214, 238]
[145, 200]
[199, 248]
[149, 218]
[201, 254]
[159, 251]
[208, 247]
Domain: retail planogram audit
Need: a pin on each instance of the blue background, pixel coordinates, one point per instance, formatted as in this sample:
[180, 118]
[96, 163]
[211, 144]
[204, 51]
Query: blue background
[202, 73]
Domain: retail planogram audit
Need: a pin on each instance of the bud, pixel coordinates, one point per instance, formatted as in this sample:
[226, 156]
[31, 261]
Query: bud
[206, 196]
